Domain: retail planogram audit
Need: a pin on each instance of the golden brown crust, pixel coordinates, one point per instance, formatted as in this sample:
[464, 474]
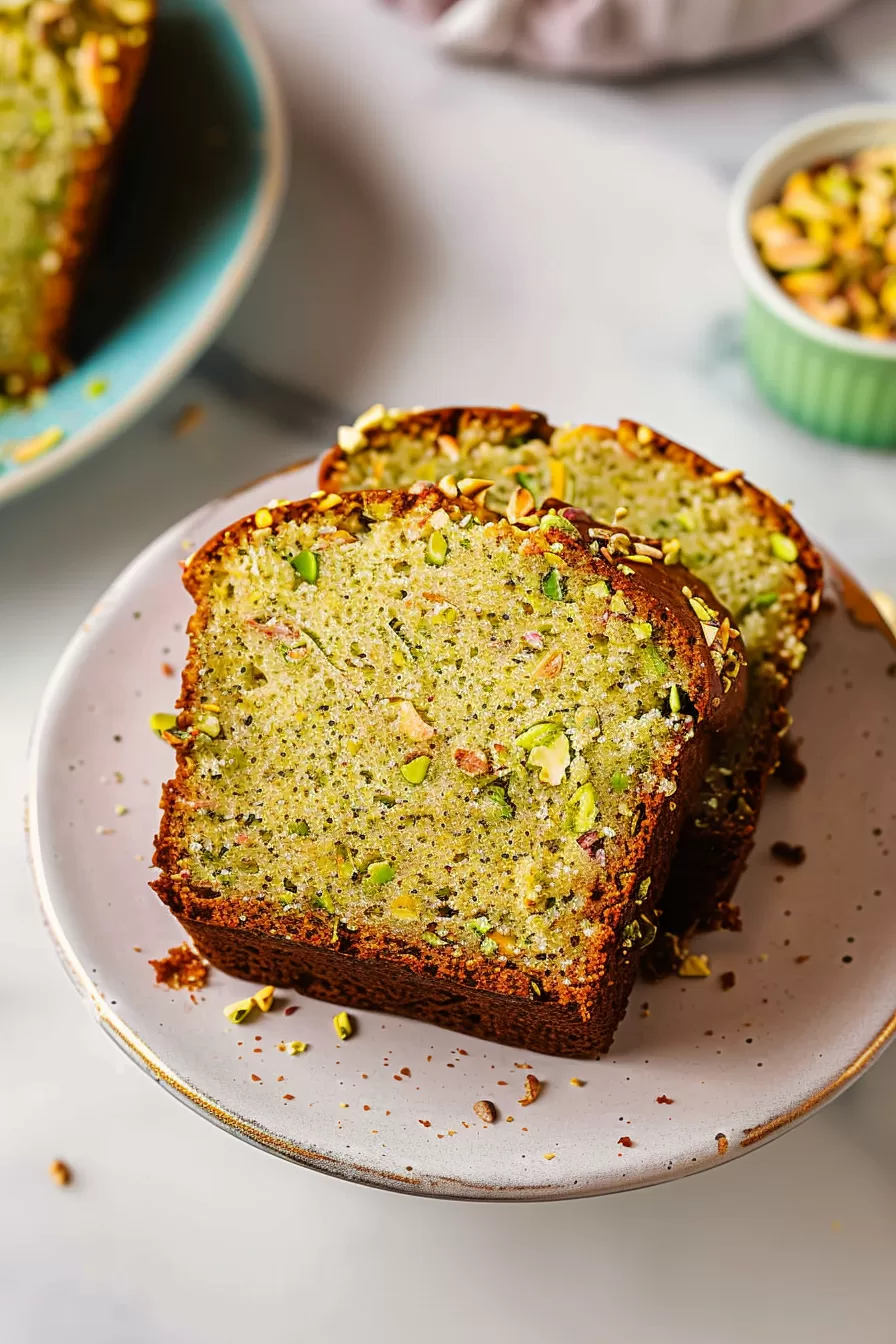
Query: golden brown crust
[510, 422]
[276, 942]
[709, 861]
[668, 583]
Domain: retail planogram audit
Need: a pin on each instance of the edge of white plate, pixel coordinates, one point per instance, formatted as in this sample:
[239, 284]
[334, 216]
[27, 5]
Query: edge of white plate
[258, 1135]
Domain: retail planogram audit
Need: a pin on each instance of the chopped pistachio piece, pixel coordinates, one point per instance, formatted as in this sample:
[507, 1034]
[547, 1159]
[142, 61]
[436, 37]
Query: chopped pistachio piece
[432, 939]
[162, 723]
[296, 1047]
[550, 665]
[783, 548]
[480, 924]
[405, 906]
[306, 565]
[263, 998]
[701, 610]
[26, 450]
[600, 589]
[764, 600]
[695, 966]
[369, 419]
[674, 699]
[553, 586]
[496, 794]
[345, 868]
[631, 934]
[558, 523]
[618, 783]
[209, 724]
[648, 931]
[538, 735]
[436, 552]
[325, 902]
[582, 809]
[380, 872]
[412, 724]
[654, 660]
[415, 771]
[239, 1011]
[488, 947]
[350, 440]
[343, 1025]
[551, 759]
[794, 254]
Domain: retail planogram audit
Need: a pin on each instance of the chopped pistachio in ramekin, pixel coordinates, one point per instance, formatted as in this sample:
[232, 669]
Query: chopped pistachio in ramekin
[830, 241]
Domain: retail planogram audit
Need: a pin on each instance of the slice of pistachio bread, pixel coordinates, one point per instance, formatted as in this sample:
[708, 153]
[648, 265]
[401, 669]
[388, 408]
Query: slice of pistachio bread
[69, 71]
[434, 761]
[745, 545]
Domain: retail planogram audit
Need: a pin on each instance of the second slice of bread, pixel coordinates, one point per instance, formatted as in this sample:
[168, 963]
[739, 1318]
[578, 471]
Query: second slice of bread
[740, 541]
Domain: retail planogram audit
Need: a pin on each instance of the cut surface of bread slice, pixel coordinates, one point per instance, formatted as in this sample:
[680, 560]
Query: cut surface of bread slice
[745, 545]
[435, 762]
[69, 73]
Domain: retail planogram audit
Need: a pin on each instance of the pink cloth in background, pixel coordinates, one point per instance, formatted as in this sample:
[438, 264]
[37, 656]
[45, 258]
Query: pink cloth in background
[614, 37]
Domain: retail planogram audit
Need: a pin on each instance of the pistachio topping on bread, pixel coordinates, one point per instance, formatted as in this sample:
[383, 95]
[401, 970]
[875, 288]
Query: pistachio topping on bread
[435, 761]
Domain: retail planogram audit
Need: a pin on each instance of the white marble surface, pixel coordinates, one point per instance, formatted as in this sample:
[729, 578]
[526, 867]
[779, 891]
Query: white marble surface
[455, 234]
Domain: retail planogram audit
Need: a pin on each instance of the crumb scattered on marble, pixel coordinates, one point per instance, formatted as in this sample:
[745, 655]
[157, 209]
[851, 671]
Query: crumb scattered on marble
[793, 855]
[182, 968]
[60, 1172]
[695, 966]
[531, 1090]
[190, 418]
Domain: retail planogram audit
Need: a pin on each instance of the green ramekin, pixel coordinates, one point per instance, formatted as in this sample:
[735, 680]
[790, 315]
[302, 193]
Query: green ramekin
[832, 382]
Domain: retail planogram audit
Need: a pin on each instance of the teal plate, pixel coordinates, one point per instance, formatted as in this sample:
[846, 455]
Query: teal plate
[201, 179]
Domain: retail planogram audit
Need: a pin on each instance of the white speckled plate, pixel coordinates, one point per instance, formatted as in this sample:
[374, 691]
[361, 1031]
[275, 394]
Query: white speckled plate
[815, 969]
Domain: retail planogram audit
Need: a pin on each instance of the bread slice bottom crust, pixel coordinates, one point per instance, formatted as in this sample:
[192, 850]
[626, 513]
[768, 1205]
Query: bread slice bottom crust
[394, 981]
